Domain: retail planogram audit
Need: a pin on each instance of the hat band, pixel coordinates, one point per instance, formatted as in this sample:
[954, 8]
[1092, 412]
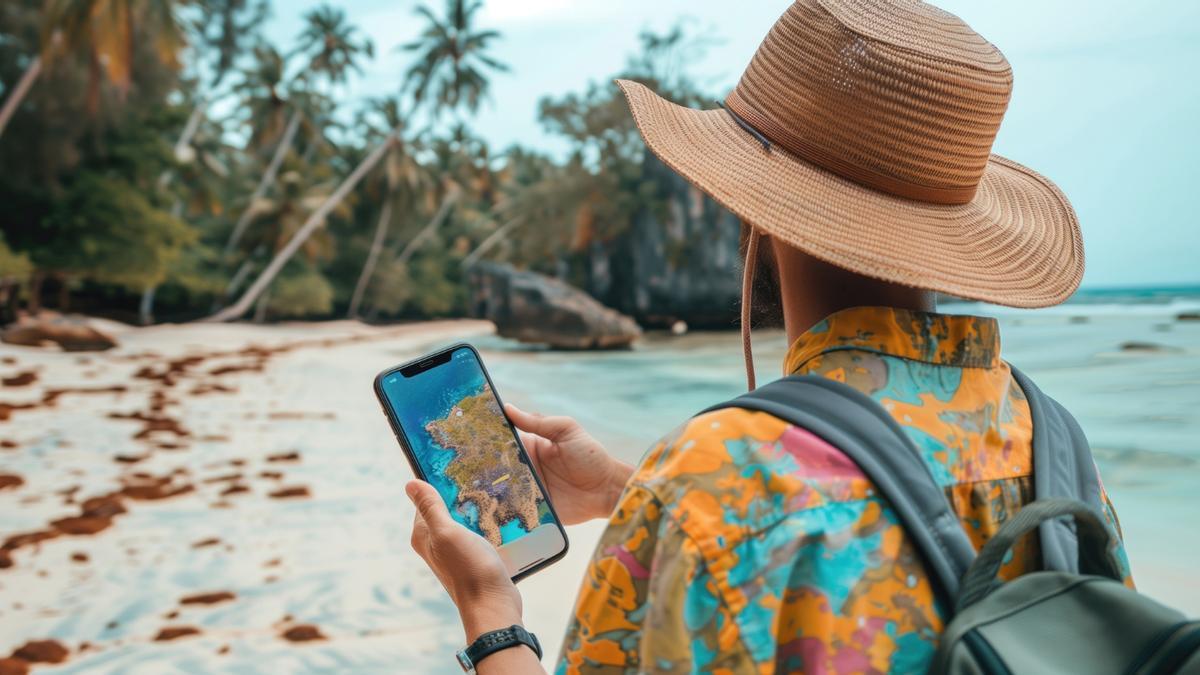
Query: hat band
[781, 136]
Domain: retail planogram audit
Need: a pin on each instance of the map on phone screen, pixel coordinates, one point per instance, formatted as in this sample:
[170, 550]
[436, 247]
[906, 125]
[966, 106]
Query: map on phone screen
[462, 441]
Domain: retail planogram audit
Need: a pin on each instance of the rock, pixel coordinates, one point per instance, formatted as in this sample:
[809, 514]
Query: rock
[1188, 316]
[535, 308]
[1148, 347]
[677, 261]
[70, 333]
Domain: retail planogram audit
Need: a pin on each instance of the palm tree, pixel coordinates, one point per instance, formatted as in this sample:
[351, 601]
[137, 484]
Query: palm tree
[103, 30]
[224, 28]
[453, 55]
[331, 44]
[404, 181]
[333, 50]
[452, 59]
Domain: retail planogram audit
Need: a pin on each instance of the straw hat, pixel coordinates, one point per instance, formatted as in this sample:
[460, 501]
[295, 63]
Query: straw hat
[861, 133]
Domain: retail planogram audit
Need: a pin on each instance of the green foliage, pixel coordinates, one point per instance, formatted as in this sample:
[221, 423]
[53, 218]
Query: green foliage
[303, 293]
[111, 233]
[13, 265]
[105, 192]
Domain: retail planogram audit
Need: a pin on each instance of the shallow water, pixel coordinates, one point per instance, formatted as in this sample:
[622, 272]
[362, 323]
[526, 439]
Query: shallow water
[340, 560]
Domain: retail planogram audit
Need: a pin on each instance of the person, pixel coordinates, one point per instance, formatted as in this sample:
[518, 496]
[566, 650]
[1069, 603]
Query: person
[856, 149]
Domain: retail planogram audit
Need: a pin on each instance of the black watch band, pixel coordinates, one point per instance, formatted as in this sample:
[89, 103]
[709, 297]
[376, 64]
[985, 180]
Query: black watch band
[490, 643]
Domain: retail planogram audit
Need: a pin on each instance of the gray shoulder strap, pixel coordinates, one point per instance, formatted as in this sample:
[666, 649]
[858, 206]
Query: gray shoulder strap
[858, 426]
[1062, 468]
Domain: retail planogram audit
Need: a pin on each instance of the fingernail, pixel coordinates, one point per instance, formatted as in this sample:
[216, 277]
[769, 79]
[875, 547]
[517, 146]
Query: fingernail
[411, 489]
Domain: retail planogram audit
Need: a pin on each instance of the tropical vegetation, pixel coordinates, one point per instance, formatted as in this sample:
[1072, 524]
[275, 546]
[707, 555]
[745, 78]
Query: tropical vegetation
[162, 160]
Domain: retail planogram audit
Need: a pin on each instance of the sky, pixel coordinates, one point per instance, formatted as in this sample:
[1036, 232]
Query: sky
[1106, 96]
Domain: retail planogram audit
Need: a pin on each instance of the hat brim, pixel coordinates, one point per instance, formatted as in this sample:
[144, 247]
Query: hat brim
[1017, 243]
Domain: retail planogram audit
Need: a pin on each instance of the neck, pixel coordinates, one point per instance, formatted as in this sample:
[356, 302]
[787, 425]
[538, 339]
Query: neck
[811, 290]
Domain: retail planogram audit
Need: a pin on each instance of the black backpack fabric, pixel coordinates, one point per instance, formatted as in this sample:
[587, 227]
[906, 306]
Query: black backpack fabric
[1074, 616]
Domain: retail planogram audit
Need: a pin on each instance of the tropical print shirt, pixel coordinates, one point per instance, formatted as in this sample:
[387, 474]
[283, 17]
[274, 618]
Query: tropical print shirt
[744, 544]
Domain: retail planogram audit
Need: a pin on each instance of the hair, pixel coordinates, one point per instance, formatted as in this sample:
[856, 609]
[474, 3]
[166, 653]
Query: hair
[767, 302]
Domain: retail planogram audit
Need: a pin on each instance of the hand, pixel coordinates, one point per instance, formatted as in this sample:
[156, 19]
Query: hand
[584, 481]
[469, 567]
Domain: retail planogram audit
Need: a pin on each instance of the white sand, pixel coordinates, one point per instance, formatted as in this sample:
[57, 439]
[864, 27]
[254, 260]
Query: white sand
[344, 559]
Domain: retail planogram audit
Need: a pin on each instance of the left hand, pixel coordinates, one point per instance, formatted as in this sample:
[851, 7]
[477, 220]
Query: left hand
[468, 566]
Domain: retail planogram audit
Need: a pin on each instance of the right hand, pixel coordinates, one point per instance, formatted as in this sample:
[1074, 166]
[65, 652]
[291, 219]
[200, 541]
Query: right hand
[584, 481]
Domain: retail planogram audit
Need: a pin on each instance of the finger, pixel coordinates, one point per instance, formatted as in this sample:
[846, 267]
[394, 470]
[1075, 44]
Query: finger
[430, 507]
[552, 428]
[535, 447]
[420, 536]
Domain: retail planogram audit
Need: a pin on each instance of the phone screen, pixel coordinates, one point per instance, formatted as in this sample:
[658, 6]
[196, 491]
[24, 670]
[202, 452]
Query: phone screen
[458, 436]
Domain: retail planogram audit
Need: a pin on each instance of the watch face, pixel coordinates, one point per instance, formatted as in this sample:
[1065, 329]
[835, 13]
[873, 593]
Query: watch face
[465, 662]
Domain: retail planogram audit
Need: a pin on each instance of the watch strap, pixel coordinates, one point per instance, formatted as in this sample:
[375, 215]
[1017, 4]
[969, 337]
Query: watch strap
[497, 640]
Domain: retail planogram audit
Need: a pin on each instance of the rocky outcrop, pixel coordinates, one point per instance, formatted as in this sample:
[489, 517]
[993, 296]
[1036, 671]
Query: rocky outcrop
[534, 308]
[71, 333]
[678, 261]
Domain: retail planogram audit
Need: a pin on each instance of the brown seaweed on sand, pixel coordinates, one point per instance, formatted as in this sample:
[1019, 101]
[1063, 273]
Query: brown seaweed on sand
[9, 480]
[42, 651]
[168, 633]
[304, 632]
[207, 598]
[292, 492]
[97, 513]
[20, 379]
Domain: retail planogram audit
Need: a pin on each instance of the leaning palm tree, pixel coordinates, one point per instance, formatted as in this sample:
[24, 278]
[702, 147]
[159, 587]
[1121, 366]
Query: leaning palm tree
[452, 62]
[104, 31]
[334, 50]
[452, 59]
[405, 180]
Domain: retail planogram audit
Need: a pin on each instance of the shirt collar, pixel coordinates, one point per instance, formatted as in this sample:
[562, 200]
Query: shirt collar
[943, 339]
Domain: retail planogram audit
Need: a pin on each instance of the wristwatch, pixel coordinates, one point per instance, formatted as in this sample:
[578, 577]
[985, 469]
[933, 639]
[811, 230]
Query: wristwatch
[490, 643]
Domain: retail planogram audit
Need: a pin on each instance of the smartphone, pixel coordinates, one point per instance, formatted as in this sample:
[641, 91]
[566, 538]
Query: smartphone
[451, 425]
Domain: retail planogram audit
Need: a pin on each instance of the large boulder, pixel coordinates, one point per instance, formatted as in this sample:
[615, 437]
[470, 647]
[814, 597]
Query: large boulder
[71, 333]
[535, 308]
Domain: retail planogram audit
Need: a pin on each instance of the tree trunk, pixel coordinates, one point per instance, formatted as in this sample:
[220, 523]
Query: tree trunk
[316, 220]
[489, 242]
[146, 306]
[260, 309]
[235, 282]
[427, 231]
[35, 292]
[64, 296]
[20, 91]
[267, 180]
[183, 144]
[385, 215]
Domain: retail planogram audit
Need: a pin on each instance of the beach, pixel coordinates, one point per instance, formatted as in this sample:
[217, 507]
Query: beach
[229, 498]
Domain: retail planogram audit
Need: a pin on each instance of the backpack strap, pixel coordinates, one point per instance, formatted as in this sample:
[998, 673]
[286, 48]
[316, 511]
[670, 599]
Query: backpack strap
[858, 426]
[1062, 468]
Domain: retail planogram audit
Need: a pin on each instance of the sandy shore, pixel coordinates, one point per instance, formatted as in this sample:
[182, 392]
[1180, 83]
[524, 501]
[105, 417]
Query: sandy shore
[214, 498]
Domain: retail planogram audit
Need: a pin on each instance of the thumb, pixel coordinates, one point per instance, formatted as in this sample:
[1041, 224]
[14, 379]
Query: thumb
[430, 506]
[552, 428]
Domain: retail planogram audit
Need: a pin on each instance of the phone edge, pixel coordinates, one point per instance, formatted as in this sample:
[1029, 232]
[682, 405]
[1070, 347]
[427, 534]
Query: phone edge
[398, 433]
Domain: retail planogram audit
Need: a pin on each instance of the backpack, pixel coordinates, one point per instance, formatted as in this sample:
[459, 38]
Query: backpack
[1076, 616]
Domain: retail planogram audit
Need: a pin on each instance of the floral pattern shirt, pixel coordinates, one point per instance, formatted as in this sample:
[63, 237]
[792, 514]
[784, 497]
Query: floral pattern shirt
[744, 544]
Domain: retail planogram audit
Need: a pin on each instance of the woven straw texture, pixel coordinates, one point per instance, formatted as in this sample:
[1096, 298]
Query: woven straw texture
[880, 116]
